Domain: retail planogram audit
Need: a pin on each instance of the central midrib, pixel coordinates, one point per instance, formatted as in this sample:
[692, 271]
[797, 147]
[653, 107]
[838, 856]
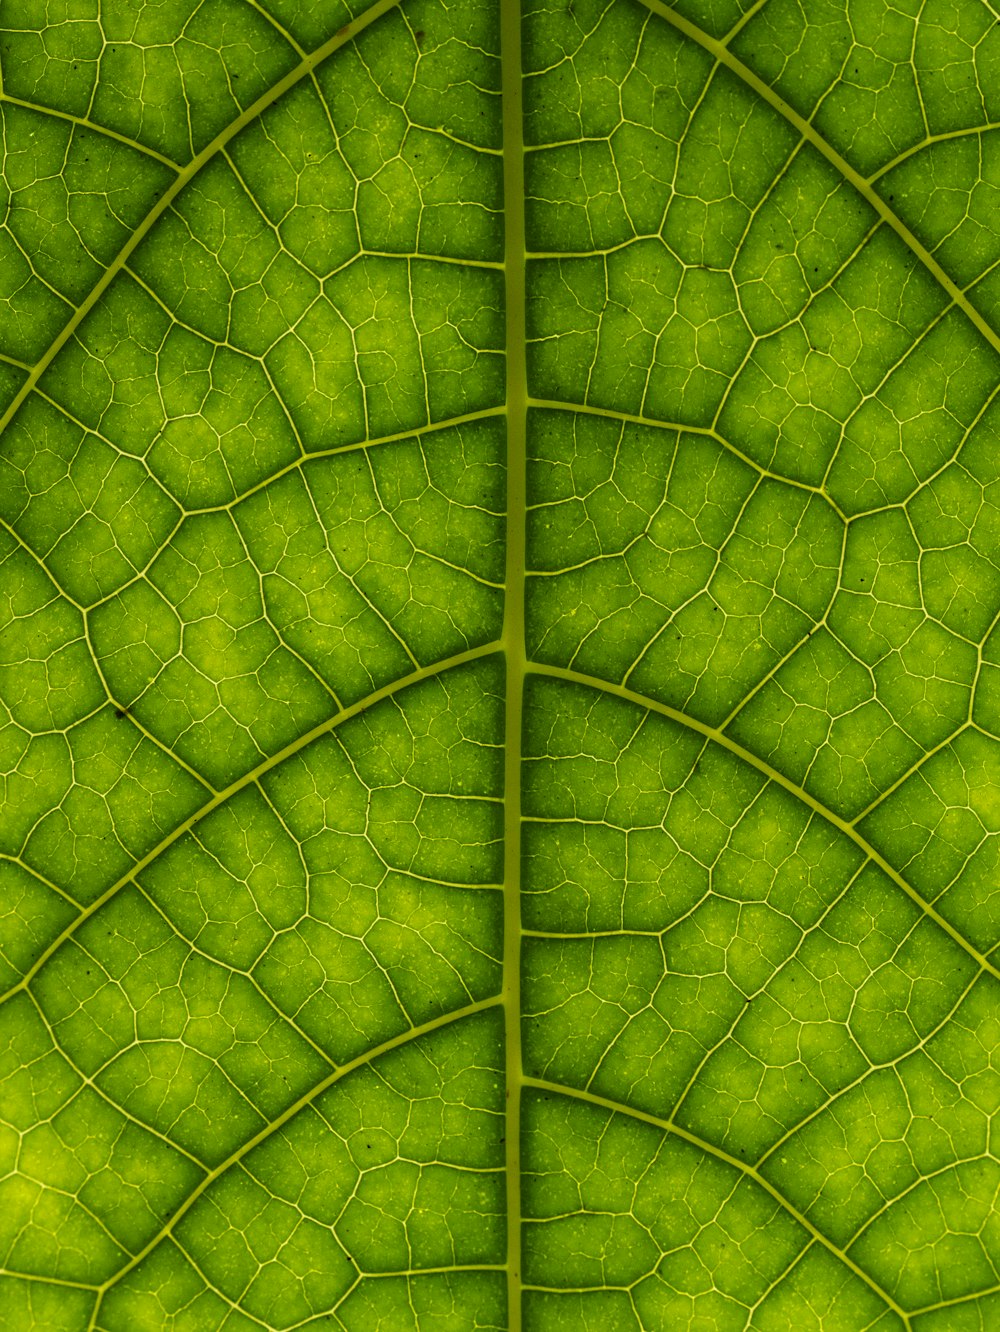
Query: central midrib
[513, 624]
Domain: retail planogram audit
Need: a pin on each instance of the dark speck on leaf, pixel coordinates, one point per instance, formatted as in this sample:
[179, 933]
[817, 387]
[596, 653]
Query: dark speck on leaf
[419, 37]
[121, 712]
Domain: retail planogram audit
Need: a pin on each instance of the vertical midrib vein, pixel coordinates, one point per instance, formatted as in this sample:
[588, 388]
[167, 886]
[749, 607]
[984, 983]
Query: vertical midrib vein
[513, 625]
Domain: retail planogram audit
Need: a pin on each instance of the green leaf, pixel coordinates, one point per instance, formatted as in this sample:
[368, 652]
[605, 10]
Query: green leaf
[499, 704]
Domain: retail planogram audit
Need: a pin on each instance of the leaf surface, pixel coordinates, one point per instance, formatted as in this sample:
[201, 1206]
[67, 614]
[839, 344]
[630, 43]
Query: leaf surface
[498, 666]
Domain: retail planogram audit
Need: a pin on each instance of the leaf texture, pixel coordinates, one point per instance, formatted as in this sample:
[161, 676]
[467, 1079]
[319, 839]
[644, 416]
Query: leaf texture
[499, 668]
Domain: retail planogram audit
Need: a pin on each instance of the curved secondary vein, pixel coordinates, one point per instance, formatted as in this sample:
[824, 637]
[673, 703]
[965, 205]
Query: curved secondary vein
[241, 783]
[83, 123]
[772, 774]
[929, 141]
[720, 52]
[302, 70]
[707, 432]
[306, 1099]
[749, 1171]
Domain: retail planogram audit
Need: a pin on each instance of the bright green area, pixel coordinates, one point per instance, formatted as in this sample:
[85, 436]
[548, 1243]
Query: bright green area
[293, 1018]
